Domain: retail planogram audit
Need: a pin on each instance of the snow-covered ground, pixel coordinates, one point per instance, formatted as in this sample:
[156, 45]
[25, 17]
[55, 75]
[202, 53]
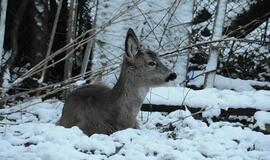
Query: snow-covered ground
[213, 100]
[221, 82]
[32, 135]
[28, 130]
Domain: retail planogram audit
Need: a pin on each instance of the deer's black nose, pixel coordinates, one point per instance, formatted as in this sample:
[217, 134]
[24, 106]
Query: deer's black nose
[171, 77]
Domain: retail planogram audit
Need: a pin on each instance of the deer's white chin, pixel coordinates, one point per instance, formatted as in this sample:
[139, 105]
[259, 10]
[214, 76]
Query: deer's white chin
[142, 92]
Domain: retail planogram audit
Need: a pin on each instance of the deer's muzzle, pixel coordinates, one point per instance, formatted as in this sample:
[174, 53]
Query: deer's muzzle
[171, 77]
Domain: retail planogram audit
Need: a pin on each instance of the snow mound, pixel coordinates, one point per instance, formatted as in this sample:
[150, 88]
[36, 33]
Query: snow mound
[222, 82]
[31, 134]
[262, 118]
[212, 100]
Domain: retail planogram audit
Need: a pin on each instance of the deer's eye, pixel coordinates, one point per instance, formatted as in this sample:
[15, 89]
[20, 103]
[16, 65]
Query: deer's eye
[152, 63]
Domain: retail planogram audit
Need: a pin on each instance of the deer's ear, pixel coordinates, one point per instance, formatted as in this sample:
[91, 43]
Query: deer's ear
[131, 44]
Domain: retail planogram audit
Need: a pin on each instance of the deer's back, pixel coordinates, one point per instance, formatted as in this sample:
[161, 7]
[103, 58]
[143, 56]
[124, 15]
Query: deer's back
[94, 91]
[91, 109]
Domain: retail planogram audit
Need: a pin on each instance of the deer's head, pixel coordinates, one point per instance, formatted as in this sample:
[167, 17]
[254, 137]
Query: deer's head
[145, 64]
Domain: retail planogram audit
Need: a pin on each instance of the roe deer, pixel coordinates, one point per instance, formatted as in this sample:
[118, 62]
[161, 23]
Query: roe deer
[99, 109]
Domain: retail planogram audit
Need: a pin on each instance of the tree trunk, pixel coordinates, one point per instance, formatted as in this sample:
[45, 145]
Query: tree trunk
[15, 49]
[15, 32]
[40, 31]
[90, 46]
[2, 28]
[70, 35]
[214, 50]
[51, 38]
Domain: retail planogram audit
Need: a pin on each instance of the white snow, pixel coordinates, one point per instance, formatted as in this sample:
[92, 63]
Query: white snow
[80, 82]
[34, 136]
[177, 35]
[212, 100]
[5, 84]
[262, 118]
[40, 7]
[222, 82]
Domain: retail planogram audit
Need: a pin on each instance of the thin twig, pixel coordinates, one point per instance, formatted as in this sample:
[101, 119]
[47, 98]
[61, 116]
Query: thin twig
[205, 72]
[191, 115]
[158, 22]
[97, 30]
[176, 4]
[51, 38]
[209, 42]
[152, 30]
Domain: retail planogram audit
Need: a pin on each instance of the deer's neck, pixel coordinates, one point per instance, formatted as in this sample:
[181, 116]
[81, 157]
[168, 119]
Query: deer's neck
[128, 93]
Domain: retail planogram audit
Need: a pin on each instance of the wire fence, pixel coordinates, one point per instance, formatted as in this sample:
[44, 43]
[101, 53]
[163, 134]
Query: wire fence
[238, 59]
